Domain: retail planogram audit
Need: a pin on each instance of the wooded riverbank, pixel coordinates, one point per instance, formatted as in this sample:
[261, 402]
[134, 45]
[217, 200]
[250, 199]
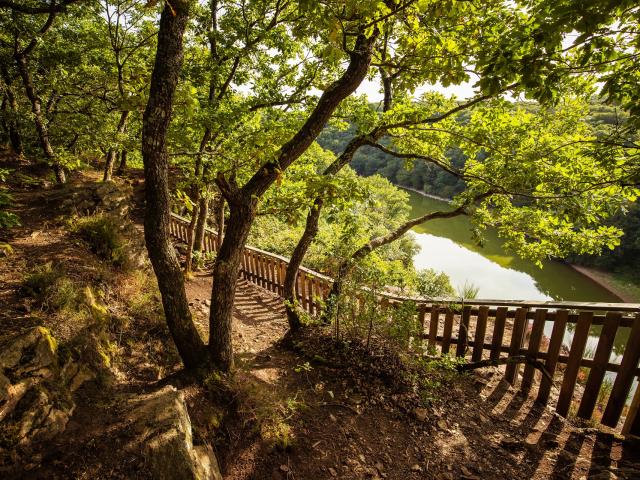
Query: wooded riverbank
[626, 291]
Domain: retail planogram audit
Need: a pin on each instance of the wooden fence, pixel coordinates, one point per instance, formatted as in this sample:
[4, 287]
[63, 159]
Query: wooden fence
[489, 329]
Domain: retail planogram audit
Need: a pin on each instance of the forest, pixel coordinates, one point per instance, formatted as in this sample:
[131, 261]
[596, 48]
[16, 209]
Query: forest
[206, 269]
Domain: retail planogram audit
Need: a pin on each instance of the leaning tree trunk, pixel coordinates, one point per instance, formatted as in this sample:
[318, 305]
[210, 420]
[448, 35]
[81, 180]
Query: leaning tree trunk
[38, 117]
[311, 226]
[225, 275]
[291, 276]
[111, 154]
[347, 265]
[242, 201]
[157, 116]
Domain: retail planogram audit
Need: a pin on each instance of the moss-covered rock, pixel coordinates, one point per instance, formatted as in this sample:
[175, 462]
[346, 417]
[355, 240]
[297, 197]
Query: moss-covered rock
[35, 391]
[162, 428]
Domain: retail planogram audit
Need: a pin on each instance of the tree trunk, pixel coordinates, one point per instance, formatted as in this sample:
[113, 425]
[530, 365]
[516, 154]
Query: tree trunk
[191, 235]
[201, 224]
[13, 129]
[219, 219]
[225, 276]
[157, 115]
[243, 201]
[38, 117]
[311, 227]
[310, 232]
[123, 164]
[3, 116]
[15, 139]
[111, 154]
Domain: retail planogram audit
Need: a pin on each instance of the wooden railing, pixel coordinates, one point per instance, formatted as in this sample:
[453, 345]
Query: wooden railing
[488, 329]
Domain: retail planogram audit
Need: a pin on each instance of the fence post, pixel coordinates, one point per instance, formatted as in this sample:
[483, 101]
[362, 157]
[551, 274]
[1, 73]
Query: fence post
[517, 337]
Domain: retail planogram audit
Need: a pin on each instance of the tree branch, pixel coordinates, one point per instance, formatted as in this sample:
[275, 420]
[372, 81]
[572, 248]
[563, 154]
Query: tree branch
[50, 8]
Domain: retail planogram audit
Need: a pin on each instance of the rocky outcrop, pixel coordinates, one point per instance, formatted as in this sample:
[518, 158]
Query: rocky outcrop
[162, 428]
[107, 197]
[35, 391]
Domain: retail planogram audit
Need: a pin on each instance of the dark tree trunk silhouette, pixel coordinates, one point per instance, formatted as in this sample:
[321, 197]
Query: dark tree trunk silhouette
[157, 115]
[38, 116]
[111, 154]
[11, 122]
[122, 168]
[243, 201]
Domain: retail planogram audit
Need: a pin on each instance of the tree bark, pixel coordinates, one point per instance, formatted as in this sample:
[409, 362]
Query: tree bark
[201, 224]
[13, 130]
[123, 163]
[196, 195]
[157, 115]
[191, 233]
[243, 201]
[291, 276]
[111, 154]
[38, 117]
[219, 219]
[225, 276]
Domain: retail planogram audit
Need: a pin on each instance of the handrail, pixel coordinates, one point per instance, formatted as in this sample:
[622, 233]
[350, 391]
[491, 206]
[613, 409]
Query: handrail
[552, 304]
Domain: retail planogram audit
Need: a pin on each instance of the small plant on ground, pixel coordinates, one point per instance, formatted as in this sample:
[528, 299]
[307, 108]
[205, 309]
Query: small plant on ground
[432, 374]
[604, 393]
[139, 291]
[469, 290]
[104, 235]
[7, 219]
[50, 288]
[202, 260]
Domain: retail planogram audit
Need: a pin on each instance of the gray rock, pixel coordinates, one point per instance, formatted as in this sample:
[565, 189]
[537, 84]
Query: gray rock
[35, 392]
[163, 431]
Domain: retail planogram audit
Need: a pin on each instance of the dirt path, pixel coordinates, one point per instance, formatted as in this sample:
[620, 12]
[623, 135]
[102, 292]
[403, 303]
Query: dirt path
[342, 426]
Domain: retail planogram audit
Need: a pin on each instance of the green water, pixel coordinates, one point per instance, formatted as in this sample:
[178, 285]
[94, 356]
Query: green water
[447, 245]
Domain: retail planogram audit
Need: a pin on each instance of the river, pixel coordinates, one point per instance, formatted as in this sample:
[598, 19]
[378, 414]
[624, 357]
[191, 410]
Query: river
[446, 245]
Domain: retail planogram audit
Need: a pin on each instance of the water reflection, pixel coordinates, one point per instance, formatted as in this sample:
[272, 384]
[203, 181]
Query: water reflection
[447, 245]
[463, 265]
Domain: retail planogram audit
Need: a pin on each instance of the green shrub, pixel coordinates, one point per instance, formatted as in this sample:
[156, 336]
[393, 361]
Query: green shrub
[51, 289]
[104, 236]
[7, 219]
[430, 284]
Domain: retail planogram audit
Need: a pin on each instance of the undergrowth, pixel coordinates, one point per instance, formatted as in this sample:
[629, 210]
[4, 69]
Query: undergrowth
[105, 238]
[50, 288]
